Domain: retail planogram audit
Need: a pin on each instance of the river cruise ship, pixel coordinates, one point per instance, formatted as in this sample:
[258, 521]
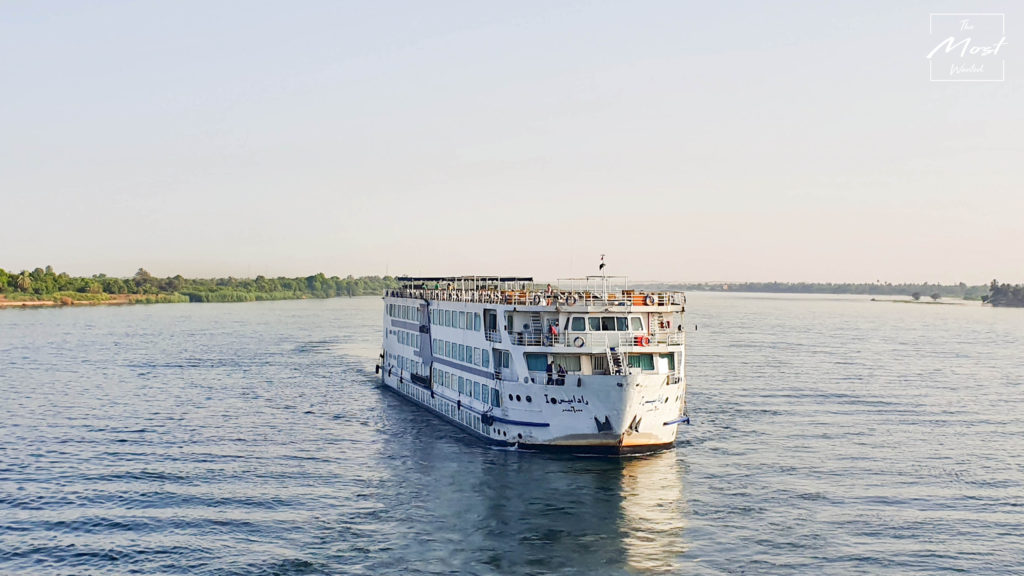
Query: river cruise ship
[587, 366]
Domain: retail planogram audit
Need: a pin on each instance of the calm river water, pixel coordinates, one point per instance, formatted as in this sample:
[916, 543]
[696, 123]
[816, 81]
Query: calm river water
[831, 435]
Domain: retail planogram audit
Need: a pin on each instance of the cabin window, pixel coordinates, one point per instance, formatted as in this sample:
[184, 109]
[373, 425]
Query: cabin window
[477, 322]
[476, 390]
[595, 324]
[671, 360]
[462, 320]
[578, 324]
[641, 361]
[571, 362]
[462, 386]
[476, 356]
[608, 323]
[495, 398]
[485, 393]
[620, 324]
[636, 324]
[483, 359]
[537, 362]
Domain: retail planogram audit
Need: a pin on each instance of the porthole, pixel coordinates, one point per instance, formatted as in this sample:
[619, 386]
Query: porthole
[528, 399]
[510, 397]
[519, 398]
[520, 436]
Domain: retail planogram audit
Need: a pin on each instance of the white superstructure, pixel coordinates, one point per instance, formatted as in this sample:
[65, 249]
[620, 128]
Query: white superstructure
[584, 367]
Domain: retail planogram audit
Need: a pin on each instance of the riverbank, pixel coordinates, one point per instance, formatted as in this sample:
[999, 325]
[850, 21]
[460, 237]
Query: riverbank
[60, 300]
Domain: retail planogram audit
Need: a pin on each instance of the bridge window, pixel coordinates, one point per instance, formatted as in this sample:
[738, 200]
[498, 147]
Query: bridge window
[595, 324]
[636, 324]
[578, 324]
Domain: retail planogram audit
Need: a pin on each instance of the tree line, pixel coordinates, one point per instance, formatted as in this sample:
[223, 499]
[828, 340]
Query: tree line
[1005, 295]
[44, 282]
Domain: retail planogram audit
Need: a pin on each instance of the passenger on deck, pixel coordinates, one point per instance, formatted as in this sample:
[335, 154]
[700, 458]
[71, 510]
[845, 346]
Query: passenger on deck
[551, 373]
[561, 376]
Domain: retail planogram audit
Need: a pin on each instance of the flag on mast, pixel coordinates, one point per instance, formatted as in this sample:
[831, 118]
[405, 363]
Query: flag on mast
[601, 267]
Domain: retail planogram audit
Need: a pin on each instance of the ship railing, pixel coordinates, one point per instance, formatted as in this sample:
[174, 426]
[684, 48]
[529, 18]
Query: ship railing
[493, 336]
[598, 339]
[543, 298]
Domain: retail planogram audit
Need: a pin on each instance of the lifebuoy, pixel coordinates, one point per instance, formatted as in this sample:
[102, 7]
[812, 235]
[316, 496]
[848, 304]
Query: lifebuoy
[649, 300]
[643, 341]
[536, 299]
[571, 300]
[578, 341]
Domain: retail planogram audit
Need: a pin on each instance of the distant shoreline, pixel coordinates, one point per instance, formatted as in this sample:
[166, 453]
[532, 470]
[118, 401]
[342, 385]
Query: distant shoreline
[111, 300]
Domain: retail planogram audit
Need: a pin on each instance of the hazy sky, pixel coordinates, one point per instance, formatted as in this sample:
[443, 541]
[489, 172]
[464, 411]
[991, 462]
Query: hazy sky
[687, 141]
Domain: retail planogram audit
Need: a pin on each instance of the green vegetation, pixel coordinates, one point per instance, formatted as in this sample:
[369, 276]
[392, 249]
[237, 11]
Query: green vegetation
[960, 290]
[43, 284]
[1005, 295]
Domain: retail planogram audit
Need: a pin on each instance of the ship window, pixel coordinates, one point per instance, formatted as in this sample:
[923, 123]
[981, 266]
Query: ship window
[579, 324]
[571, 362]
[641, 361]
[483, 359]
[462, 352]
[608, 323]
[462, 386]
[595, 324]
[476, 321]
[537, 362]
[620, 324]
[671, 360]
[636, 324]
[462, 320]
[495, 398]
[485, 392]
[476, 356]
[476, 390]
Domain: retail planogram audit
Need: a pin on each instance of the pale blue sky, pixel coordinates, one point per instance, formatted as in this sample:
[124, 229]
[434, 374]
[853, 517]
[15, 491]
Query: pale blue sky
[687, 141]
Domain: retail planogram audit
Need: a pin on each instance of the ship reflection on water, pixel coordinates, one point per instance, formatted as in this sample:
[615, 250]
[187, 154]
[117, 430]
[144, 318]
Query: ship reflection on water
[653, 513]
[554, 514]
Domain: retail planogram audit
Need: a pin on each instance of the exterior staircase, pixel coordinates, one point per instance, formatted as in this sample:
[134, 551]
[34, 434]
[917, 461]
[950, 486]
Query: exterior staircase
[616, 360]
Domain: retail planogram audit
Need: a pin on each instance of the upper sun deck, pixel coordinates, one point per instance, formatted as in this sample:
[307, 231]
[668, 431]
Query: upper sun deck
[590, 291]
